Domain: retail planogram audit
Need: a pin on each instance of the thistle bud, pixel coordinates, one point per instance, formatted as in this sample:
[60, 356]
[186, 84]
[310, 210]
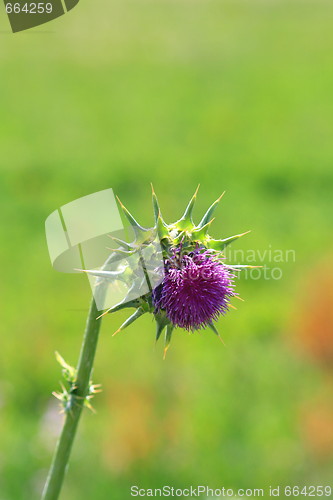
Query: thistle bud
[195, 284]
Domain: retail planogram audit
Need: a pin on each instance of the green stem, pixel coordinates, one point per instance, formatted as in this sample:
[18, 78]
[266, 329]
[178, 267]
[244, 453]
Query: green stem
[62, 453]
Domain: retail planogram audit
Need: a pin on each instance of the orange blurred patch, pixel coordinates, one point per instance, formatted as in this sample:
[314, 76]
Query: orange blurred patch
[317, 429]
[314, 318]
[139, 426]
[132, 434]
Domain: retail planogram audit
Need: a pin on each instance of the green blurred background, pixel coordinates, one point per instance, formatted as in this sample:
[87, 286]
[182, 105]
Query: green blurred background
[235, 95]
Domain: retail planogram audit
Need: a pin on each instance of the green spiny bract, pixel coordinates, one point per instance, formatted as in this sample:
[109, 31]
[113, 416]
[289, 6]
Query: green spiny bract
[181, 244]
[68, 396]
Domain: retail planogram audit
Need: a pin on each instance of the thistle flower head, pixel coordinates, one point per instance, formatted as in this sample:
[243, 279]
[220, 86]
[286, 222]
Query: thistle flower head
[195, 290]
[195, 285]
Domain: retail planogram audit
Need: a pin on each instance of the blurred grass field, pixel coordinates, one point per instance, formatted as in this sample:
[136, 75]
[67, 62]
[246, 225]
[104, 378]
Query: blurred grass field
[236, 96]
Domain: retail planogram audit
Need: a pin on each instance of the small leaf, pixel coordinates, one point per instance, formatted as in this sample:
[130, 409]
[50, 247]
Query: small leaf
[219, 245]
[122, 305]
[61, 361]
[210, 211]
[161, 228]
[122, 243]
[159, 331]
[139, 312]
[186, 221]
[88, 405]
[161, 322]
[135, 225]
[110, 275]
[69, 372]
[114, 257]
[122, 253]
[167, 339]
[179, 238]
[214, 329]
[157, 211]
[199, 233]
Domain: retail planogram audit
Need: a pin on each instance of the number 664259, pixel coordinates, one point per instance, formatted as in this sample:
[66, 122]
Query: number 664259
[29, 8]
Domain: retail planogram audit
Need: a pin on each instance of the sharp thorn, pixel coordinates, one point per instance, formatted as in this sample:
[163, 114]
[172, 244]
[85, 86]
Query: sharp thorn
[239, 298]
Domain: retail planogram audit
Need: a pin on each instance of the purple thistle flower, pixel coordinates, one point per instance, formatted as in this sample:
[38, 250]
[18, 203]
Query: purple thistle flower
[195, 286]
[195, 291]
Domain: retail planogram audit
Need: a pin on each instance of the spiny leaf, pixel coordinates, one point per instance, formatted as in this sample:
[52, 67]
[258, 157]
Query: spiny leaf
[135, 290]
[139, 312]
[161, 228]
[219, 245]
[88, 405]
[159, 329]
[123, 253]
[104, 274]
[167, 339]
[179, 238]
[189, 208]
[58, 395]
[186, 221]
[161, 322]
[144, 238]
[214, 329]
[156, 207]
[122, 305]
[68, 371]
[122, 243]
[199, 233]
[135, 225]
[114, 257]
[62, 362]
[210, 211]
